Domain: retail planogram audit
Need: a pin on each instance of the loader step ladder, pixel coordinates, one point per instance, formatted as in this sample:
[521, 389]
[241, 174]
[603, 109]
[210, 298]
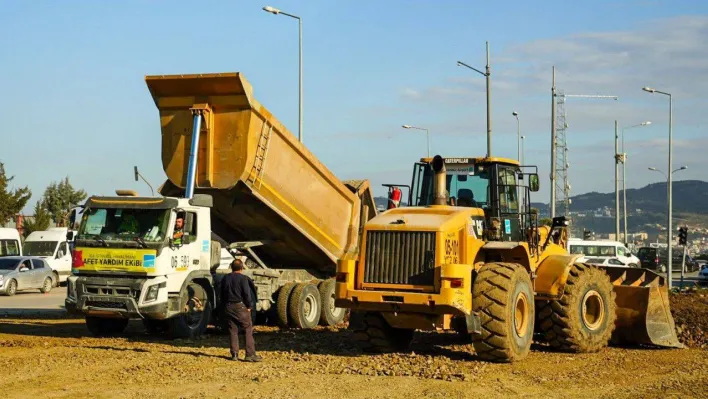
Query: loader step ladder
[256, 176]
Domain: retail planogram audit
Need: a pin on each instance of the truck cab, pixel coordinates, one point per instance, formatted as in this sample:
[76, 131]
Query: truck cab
[149, 258]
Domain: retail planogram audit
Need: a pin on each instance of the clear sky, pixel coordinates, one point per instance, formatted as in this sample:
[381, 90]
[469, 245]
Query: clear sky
[74, 102]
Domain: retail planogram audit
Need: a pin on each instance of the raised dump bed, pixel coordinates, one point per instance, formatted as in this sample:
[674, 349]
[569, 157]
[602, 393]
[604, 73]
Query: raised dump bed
[266, 185]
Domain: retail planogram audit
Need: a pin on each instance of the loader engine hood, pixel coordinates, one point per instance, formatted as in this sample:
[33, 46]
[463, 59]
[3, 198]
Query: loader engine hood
[429, 218]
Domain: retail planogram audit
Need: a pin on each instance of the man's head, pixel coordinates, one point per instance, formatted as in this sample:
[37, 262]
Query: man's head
[237, 265]
[179, 223]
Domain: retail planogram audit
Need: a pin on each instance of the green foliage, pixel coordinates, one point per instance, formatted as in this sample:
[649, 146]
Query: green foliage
[59, 198]
[41, 220]
[545, 222]
[11, 201]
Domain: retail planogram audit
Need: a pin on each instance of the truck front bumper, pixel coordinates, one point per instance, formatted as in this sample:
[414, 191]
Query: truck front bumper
[113, 297]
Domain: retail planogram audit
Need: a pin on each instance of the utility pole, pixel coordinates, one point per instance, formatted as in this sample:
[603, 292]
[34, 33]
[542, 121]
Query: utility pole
[553, 145]
[617, 194]
[489, 106]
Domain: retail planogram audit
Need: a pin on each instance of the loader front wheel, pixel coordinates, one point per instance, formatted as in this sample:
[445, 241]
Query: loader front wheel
[503, 299]
[375, 334]
[583, 319]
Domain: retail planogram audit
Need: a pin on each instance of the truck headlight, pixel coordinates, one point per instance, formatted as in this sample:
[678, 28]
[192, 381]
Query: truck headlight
[152, 293]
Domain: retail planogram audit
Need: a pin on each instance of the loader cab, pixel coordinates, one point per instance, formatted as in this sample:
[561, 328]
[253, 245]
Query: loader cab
[500, 187]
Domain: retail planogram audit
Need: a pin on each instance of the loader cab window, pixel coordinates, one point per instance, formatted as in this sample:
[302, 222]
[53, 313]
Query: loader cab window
[508, 198]
[470, 190]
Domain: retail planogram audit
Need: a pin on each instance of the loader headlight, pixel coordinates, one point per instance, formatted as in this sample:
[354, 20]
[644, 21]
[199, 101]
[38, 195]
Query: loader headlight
[152, 293]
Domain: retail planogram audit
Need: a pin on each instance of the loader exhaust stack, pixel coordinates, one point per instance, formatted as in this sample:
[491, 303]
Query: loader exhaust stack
[440, 180]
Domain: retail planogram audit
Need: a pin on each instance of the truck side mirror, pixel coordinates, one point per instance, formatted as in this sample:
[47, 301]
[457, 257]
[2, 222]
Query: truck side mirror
[188, 221]
[533, 182]
[70, 235]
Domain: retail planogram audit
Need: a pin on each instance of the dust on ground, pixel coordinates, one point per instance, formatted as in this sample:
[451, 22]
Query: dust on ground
[58, 358]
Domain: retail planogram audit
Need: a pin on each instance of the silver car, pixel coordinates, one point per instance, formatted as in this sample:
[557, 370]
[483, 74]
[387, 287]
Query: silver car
[19, 273]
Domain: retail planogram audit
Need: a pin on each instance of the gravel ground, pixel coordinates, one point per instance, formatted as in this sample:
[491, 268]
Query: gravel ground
[58, 358]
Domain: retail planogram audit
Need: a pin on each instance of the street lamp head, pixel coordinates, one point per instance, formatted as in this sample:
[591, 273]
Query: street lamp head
[654, 169]
[683, 168]
[459, 63]
[271, 10]
[523, 137]
[649, 89]
[406, 126]
[647, 123]
[515, 113]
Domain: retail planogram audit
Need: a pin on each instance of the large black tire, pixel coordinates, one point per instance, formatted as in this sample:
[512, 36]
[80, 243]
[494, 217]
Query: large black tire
[375, 335]
[283, 302]
[503, 298]
[102, 327]
[46, 285]
[583, 319]
[304, 306]
[195, 310]
[11, 288]
[155, 327]
[330, 314]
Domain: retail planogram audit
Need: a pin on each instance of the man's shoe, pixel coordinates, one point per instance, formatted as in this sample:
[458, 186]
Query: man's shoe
[234, 358]
[253, 359]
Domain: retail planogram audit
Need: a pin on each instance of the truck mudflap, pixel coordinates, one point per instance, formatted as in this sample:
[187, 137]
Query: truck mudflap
[643, 312]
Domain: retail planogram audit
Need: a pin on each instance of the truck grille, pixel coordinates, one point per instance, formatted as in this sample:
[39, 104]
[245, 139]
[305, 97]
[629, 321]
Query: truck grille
[400, 257]
[106, 305]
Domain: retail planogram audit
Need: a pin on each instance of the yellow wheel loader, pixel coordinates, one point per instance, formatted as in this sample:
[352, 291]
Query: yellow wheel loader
[467, 254]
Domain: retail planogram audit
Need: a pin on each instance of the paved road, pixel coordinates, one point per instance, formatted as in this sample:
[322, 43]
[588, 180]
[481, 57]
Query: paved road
[27, 302]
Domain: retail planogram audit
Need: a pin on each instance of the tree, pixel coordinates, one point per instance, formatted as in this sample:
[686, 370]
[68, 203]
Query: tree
[545, 222]
[59, 198]
[41, 220]
[11, 202]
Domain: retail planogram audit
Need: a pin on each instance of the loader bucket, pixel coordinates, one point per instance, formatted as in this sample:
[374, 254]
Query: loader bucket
[643, 314]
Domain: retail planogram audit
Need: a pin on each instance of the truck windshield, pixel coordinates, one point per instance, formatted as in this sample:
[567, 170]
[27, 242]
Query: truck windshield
[110, 224]
[39, 248]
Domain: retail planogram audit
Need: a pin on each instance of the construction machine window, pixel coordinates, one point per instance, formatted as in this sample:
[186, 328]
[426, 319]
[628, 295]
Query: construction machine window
[469, 190]
[106, 225]
[508, 198]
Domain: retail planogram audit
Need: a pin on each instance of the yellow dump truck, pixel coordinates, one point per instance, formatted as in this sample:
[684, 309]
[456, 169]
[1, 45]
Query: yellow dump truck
[236, 178]
[469, 255]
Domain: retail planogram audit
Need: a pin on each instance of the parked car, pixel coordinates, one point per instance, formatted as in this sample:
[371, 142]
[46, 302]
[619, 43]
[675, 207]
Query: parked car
[607, 262]
[657, 259]
[602, 249]
[18, 273]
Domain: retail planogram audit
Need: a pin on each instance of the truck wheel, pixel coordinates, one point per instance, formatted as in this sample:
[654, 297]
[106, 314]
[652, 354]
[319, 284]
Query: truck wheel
[503, 298]
[194, 316]
[46, 285]
[282, 303]
[11, 288]
[375, 334]
[102, 327]
[583, 319]
[155, 327]
[330, 315]
[305, 306]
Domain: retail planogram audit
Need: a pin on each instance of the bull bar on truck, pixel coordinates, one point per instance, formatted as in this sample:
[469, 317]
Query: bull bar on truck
[115, 297]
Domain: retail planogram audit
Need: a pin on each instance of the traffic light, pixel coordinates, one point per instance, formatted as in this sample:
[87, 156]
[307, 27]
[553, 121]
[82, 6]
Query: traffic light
[683, 236]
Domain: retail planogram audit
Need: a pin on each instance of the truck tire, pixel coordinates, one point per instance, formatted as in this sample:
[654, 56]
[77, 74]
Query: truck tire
[155, 327]
[283, 302]
[374, 334]
[195, 310]
[503, 298]
[583, 319]
[102, 327]
[330, 314]
[304, 307]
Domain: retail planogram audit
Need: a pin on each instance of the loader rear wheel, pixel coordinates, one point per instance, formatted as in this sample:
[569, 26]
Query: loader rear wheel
[503, 298]
[375, 334]
[282, 303]
[583, 319]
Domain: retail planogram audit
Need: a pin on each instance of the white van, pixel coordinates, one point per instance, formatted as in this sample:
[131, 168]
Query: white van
[51, 245]
[602, 250]
[10, 244]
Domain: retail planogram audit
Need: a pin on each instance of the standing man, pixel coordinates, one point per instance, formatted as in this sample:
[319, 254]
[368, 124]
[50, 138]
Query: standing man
[238, 305]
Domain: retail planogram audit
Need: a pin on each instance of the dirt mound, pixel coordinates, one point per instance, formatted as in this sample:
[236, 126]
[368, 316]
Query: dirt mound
[690, 311]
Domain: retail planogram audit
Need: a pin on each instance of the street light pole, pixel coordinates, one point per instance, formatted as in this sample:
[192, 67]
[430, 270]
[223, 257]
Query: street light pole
[522, 150]
[427, 134]
[518, 136]
[553, 145]
[624, 179]
[276, 11]
[487, 74]
[617, 195]
[669, 232]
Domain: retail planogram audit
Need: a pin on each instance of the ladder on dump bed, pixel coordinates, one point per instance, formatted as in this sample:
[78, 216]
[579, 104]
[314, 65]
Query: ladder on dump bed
[256, 175]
